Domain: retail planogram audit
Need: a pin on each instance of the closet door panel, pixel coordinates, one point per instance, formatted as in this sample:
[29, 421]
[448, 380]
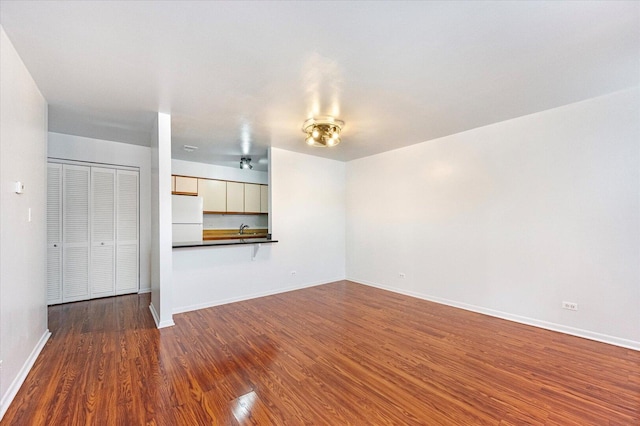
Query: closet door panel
[54, 275]
[127, 273]
[54, 233]
[127, 232]
[76, 274]
[103, 217]
[102, 271]
[75, 232]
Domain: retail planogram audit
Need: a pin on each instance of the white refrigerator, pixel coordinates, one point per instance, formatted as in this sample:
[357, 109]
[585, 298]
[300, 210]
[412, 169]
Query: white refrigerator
[186, 216]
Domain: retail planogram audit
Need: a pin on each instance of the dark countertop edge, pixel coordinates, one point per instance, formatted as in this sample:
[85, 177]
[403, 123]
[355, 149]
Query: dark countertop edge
[218, 243]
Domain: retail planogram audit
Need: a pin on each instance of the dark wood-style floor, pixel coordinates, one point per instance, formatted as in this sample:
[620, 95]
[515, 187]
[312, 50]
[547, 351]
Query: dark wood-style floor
[335, 354]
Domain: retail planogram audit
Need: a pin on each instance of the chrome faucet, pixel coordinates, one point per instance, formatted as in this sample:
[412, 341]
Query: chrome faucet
[242, 228]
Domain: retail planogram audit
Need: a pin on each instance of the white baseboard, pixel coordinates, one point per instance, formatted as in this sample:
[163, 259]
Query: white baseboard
[144, 290]
[7, 398]
[156, 318]
[219, 302]
[591, 335]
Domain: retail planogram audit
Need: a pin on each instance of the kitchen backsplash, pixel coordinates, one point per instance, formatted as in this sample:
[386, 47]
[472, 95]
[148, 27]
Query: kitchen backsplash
[223, 221]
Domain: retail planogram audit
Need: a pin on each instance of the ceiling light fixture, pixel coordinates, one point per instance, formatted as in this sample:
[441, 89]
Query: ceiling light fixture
[322, 131]
[245, 163]
[189, 148]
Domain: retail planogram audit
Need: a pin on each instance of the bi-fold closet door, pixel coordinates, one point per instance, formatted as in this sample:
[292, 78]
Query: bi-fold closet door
[102, 276]
[54, 233]
[93, 240]
[127, 232]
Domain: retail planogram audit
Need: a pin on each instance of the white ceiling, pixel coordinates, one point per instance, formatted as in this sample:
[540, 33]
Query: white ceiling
[242, 76]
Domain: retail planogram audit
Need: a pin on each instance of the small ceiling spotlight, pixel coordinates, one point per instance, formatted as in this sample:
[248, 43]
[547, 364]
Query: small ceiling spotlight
[322, 131]
[245, 163]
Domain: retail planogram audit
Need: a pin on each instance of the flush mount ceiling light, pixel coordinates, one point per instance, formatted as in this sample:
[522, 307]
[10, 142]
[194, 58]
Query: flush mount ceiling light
[245, 163]
[189, 148]
[322, 131]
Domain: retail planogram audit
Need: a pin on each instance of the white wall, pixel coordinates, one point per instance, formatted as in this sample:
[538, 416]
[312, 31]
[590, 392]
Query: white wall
[512, 219]
[161, 258]
[23, 157]
[308, 220]
[79, 148]
[211, 171]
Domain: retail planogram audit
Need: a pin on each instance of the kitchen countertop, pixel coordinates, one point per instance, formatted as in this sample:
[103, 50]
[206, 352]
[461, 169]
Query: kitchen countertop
[217, 243]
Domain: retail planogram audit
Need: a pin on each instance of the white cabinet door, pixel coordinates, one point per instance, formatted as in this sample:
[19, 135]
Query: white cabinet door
[251, 198]
[127, 224]
[75, 232]
[264, 199]
[54, 233]
[103, 217]
[235, 197]
[214, 194]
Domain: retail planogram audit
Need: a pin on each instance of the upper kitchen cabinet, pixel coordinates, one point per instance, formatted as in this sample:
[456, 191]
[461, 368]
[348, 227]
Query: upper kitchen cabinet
[264, 199]
[251, 198]
[235, 197]
[185, 185]
[224, 197]
[214, 195]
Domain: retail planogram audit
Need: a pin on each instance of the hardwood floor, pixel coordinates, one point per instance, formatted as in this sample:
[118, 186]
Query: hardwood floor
[340, 353]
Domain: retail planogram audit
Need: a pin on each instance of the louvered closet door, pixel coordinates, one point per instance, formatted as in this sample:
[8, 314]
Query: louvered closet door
[103, 231]
[127, 232]
[54, 233]
[75, 232]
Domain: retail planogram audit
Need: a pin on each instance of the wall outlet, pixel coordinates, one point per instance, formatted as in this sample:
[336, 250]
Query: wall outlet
[293, 273]
[401, 275]
[572, 306]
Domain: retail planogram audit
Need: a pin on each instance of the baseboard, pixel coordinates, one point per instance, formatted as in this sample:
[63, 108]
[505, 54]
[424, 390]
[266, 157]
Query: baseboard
[7, 398]
[144, 290]
[213, 303]
[578, 332]
[156, 318]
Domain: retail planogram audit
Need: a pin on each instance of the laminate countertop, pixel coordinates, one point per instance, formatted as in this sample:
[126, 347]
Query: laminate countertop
[226, 242]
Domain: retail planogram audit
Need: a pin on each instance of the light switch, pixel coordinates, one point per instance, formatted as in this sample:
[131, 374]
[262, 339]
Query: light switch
[19, 187]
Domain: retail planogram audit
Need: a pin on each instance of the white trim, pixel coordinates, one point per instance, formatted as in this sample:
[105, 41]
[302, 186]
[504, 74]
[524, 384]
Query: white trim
[22, 374]
[92, 164]
[211, 304]
[578, 332]
[154, 314]
[156, 318]
[144, 290]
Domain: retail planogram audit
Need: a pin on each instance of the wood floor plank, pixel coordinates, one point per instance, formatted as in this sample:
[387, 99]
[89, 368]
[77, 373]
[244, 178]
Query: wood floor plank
[339, 353]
